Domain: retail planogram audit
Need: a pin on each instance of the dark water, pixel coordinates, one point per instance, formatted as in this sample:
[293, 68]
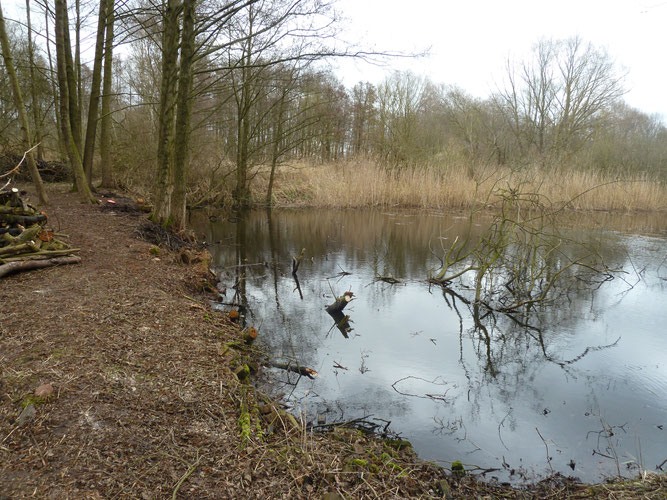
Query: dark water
[590, 375]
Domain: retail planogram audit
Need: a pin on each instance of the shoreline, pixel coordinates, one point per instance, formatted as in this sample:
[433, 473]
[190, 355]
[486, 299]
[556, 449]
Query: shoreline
[146, 402]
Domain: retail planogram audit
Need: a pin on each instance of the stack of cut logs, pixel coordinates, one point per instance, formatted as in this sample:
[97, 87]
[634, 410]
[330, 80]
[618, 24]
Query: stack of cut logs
[24, 242]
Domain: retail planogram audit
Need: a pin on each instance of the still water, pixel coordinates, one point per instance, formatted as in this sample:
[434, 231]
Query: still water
[587, 380]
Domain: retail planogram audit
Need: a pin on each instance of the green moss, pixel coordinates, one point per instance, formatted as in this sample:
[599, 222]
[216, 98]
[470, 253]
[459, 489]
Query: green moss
[154, 250]
[389, 462]
[31, 399]
[398, 444]
[244, 425]
[457, 468]
[358, 462]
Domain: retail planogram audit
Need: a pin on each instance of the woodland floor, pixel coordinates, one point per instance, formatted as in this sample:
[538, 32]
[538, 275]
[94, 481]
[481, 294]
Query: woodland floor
[146, 405]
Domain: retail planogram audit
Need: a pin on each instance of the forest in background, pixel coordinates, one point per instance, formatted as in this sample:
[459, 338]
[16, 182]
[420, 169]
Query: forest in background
[234, 103]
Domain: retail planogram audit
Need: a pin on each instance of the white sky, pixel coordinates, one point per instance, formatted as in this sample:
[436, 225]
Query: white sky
[471, 39]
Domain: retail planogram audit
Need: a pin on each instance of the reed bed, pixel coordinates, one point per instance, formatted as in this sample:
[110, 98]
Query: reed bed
[366, 184]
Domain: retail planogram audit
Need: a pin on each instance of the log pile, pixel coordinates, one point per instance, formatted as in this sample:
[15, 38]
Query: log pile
[24, 242]
[49, 171]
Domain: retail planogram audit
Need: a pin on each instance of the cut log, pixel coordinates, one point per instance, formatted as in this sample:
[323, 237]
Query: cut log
[12, 231]
[28, 247]
[24, 220]
[295, 368]
[23, 236]
[18, 266]
[250, 335]
[42, 254]
[340, 303]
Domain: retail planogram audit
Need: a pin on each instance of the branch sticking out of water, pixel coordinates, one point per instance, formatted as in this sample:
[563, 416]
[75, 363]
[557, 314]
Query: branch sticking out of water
[547, 447]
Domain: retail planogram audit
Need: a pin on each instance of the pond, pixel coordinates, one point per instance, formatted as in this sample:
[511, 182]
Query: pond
[581, 391]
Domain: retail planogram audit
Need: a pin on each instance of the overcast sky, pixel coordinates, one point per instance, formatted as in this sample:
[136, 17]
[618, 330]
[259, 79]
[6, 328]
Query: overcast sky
[469, 40]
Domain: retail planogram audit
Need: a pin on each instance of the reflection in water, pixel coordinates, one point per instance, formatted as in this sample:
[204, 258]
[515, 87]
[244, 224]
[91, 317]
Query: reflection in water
[459, 381]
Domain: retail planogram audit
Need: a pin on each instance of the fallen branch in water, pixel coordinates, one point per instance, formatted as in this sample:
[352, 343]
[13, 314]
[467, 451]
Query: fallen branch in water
[296, 261]
[547, 447]
[294, 367]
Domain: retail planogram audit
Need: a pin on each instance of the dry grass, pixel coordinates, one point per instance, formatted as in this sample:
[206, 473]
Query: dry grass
[365, 184]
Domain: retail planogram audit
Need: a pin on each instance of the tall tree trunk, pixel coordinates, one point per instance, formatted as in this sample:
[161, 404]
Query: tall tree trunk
[183, 113]
[93, 108]
[164, 181]
[276, 149]
[33, 94]
[72, 86]
[52, 79]
[62, 49]
[105, 129]
[77, 68]
[23, 116]
[241, 192]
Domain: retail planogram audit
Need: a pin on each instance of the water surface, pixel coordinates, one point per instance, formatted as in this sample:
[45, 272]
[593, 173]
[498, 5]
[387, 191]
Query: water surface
[588, 379]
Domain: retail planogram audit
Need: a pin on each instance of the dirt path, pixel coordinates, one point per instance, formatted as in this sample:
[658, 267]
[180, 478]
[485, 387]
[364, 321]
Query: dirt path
[143, 396]
[145, 404]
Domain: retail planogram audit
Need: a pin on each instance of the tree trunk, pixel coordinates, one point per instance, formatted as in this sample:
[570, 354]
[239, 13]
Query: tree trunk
[276, 147]
[93, 108]
[74, 113]
[54, 91]
[33, 94]
[62, 49]
[164, 181]
[77, 67]
[23, 116]
[105, 129]
[184, 108]
[241, 192]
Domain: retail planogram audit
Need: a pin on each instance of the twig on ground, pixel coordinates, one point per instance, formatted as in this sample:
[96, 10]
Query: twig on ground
[184, 477]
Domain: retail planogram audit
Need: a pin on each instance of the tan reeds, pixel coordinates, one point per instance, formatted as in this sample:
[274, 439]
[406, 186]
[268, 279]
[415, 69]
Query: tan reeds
[365, 184]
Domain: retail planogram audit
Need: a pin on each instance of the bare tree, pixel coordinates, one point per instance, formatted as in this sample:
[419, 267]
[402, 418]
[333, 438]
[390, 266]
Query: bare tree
[23, 116]
[63, 48]
[94, 105]
[33, 93]
[551, 102]
[183, 114]
[105, 127]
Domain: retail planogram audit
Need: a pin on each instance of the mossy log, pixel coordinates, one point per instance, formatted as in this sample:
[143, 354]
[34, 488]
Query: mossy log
[28, 247]
[42, 254]
[24, 220]
[12, 231]
[18, 266]
[23, 236]
[10, 210]
[340, 303]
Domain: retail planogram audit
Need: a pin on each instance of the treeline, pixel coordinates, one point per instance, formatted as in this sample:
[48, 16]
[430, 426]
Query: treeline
[206, 95]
